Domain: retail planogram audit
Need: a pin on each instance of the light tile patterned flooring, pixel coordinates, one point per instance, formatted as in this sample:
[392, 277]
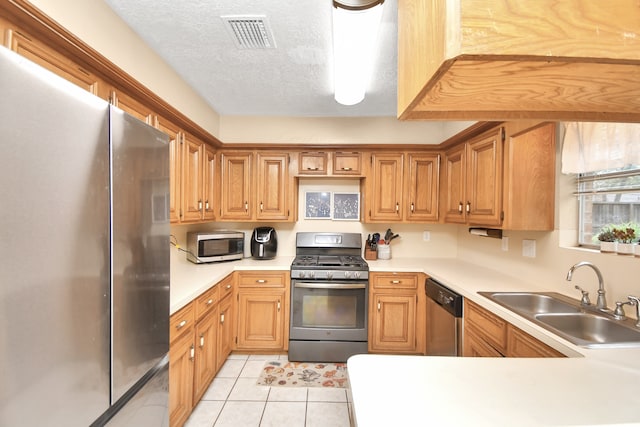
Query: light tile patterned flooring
[235, 400]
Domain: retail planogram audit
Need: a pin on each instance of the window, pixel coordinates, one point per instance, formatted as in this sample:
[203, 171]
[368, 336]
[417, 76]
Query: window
[607, 197]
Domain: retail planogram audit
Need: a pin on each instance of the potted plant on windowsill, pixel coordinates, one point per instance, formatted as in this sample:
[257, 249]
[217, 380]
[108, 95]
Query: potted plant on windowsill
[625, 236]
[607, 239]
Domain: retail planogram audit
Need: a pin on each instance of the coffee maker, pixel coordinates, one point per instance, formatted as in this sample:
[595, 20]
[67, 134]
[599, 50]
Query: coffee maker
[264, 243]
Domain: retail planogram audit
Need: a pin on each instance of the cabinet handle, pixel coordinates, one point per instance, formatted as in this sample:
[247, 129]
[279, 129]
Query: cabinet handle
[192, 353]
[261, 207]
[278, 305]
[199, 205]
[397, 207]
[378, 305]
[181, 324]
[222, 318]
[210, 302]
[412, 207]
[261, 281]
[206, 205]
[460, 208]
[201, 340]
[346, 169]
[246, 206]
[468, 207]
[228, 286]
[312, 169]
[396, 282]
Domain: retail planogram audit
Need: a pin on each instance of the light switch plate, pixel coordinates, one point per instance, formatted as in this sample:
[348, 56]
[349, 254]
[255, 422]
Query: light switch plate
[529, 248]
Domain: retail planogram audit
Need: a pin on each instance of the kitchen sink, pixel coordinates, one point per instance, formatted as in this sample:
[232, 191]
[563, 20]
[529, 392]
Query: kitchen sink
[530, 302]
[582, 325]
[588, 329]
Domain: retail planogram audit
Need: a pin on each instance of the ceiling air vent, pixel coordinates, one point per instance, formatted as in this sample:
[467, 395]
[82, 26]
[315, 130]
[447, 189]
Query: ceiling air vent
[250, 31]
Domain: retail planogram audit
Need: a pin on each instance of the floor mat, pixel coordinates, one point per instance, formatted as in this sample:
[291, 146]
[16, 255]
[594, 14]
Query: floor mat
[304, 374]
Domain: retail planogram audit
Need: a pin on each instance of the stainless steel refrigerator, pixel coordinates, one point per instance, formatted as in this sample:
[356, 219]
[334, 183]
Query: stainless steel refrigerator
[84, 257]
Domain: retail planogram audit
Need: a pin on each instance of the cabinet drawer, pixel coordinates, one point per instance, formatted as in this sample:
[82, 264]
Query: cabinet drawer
[521, 344]
[492, 328]
[225, 286]
[395, 280]
[205, 302]
[266, 279]
[181, 321]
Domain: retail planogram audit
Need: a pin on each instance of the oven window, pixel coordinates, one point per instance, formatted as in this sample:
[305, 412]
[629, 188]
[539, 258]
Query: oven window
[336, 311]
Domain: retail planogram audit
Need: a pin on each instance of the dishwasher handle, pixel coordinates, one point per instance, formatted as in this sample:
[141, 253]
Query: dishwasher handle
[444, 297]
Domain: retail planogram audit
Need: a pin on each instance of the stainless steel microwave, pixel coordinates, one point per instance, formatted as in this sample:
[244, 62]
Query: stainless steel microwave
[213, 246]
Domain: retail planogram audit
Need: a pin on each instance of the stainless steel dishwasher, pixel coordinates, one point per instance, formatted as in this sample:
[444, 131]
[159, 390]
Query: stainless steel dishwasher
[444, 320]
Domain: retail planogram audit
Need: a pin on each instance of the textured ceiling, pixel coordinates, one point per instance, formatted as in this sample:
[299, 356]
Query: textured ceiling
[294, 79]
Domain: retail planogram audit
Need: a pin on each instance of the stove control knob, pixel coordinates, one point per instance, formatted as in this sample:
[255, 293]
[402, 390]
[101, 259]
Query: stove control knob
[311, 274]
[347, 274]
[356, 274]
[329, 275]
[302, 274]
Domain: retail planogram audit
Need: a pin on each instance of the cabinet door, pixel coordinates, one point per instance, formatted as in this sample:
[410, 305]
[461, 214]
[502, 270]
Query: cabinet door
[529, 178]
[175, 167]
[56, 63]
[205, 366]
[192, 179]
[235, 184]
[133, 107]
[385, 187]
[209, 184]
[347, 163]
[475, 346]
[273, 187]
[422, 180]
[484, 179]
[521, 344]
[181, 359]
[312, 163]
[393, 327]
[260, 320]
[225, 330]
[453, 185]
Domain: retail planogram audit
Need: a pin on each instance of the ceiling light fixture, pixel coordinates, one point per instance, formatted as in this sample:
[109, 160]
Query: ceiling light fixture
[355, 30]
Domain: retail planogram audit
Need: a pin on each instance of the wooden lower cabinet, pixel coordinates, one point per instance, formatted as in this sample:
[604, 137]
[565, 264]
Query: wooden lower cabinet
[487, 335]
[396, 313]
[201, 338]
[263, 311]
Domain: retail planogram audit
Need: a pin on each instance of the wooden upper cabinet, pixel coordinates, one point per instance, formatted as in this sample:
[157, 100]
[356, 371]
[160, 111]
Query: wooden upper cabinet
[529, 176]
[498, 60]
[133, 107]
[273, 187]
[422, 187]
[453, 185]
[384, 188]
[484, 179]
[209, 193]
[175, 166]
[235, 185]
[472, 181]
[192, 179]
[48, 58]
[347, 163]
[312, 163]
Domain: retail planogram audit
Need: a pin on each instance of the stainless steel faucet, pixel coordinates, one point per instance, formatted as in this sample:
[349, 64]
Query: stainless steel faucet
[601, 302]
[636, 301]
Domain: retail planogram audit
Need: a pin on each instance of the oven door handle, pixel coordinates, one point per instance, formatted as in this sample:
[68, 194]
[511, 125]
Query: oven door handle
[309, 285]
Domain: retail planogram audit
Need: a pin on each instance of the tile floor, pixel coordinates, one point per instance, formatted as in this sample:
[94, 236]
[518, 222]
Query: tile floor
[235, 400]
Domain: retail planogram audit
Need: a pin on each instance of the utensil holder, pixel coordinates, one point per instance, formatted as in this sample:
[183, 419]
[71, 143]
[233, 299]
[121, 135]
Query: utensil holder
[384, 251]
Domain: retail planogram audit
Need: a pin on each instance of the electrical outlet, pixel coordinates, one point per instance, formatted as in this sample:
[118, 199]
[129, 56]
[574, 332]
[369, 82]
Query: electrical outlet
[529, 248]
[505, 243]
[426, 236]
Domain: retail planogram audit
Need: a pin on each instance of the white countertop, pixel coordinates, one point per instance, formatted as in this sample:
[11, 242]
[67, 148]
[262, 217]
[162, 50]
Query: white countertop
[590, 387]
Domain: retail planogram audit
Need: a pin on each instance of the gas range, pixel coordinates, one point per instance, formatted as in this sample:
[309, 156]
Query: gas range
[329, 256]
